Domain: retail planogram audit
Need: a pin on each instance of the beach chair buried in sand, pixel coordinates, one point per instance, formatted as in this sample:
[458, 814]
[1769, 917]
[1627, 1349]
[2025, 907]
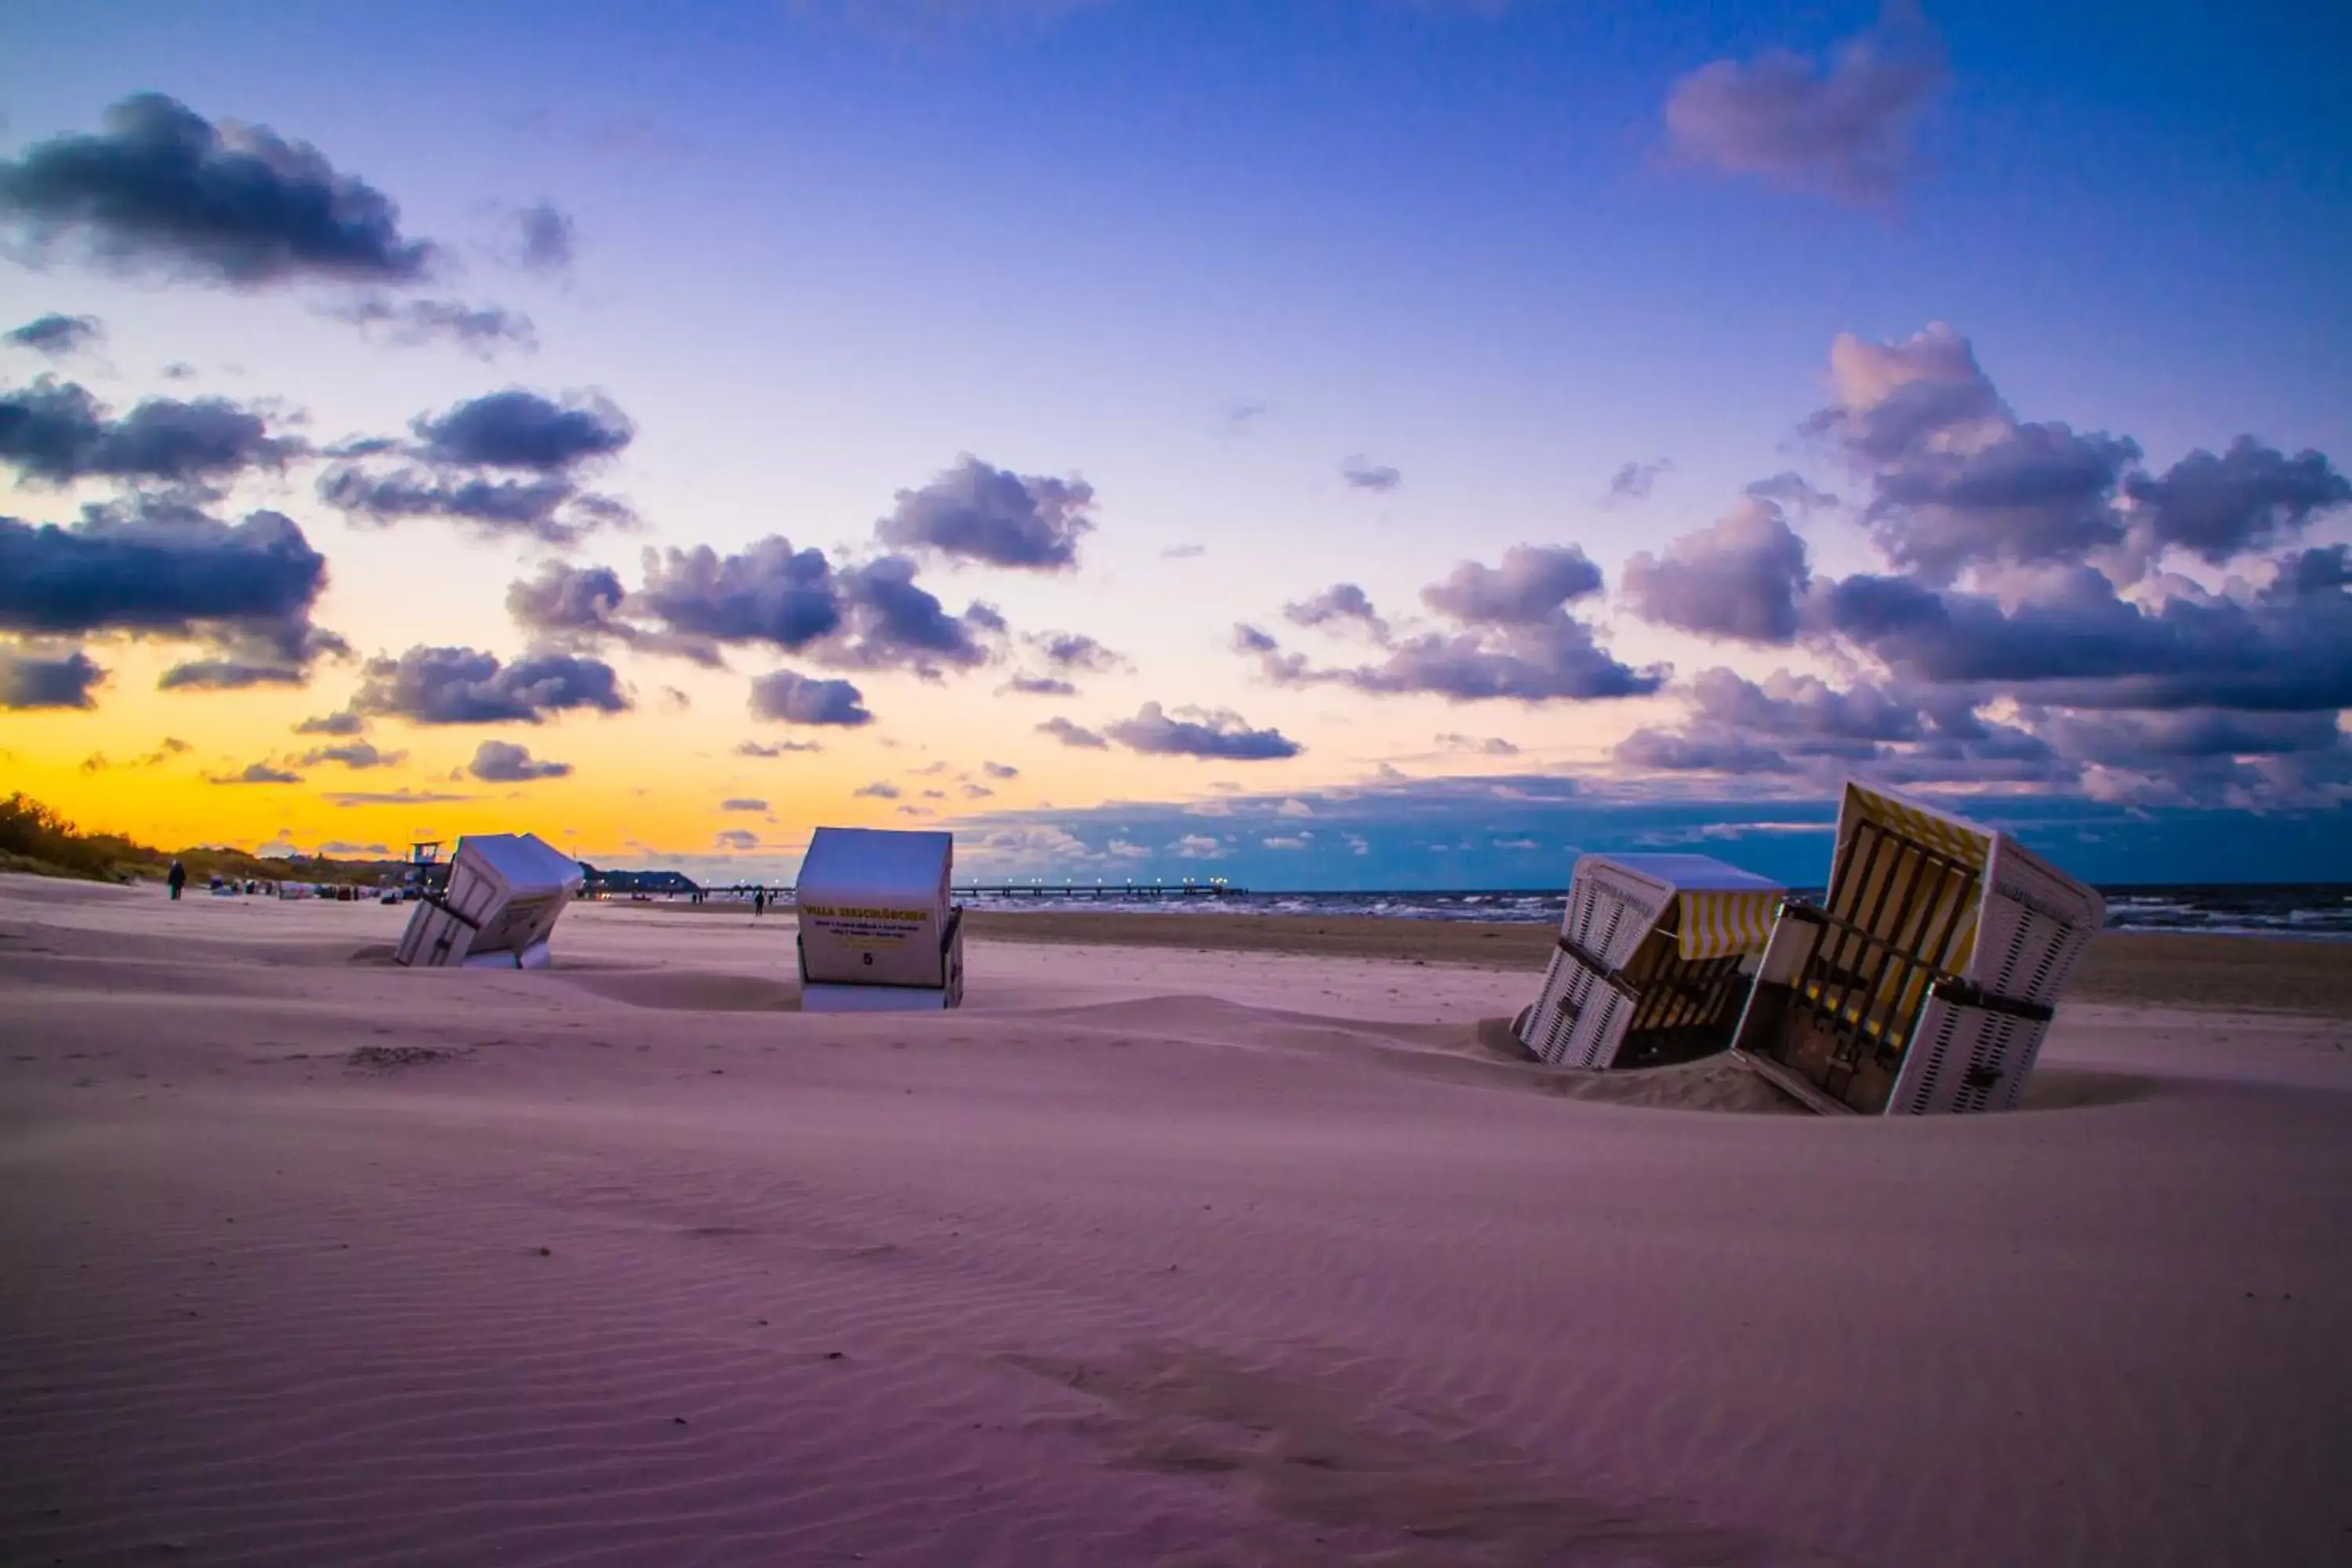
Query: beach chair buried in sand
[505, 893]
[1926, 979]
[877, 933]
[1654, 959]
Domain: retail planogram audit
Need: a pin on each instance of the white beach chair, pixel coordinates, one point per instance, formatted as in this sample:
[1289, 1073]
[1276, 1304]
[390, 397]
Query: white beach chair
[878, 932]
[1652, 960]
[1927, 978]
[505, 893]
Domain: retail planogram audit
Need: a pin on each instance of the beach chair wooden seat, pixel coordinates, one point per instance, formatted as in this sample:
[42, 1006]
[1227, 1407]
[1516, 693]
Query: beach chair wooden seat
[1652, 962]
[497, 909]
[1926, 978]
[877, 930]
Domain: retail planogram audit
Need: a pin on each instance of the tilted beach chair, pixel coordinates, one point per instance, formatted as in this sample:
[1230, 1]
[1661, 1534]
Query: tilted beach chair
[878, 932]
[1927, 977]
[1652, 960]
[499, 906]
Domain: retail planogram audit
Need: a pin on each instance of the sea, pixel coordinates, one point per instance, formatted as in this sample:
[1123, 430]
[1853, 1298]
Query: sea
[2322, 911]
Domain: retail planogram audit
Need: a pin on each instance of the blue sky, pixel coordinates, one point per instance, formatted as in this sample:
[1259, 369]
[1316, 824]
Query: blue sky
[1205, 260]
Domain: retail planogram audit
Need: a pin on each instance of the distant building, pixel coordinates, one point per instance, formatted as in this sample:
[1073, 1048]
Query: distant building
[626, 884]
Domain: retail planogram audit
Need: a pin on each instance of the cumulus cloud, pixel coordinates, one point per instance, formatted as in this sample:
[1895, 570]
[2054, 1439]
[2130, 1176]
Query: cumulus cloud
[999, 770]
[1846, 129]
[1364, 474]
[465, 686]
[540, 238]
[1633, 481]
[30, 680]
[55, 432]
[503, 761]
[483, 331]
[56, 335]
[976, 512]
[161, 189]
[736, 838]
[504, 463]
[344, 723]
[256, 773]
[776, 749]
[355, 754]
[1198, 732]
[1744, 577]
[1490, 745]
[1341, 603]
[741, 803]
[790, 698]
[163, 570]
[876, 791]
[1038, 686]
[2249, 498]
[1071, 734]
[1505, 633]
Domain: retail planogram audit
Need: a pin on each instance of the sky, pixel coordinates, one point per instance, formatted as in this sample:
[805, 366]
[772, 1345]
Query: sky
[1340, 444]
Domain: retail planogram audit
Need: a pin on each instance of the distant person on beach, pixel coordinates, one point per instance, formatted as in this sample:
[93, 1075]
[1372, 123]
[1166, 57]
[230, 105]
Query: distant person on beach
[175, 878]
[758, 903]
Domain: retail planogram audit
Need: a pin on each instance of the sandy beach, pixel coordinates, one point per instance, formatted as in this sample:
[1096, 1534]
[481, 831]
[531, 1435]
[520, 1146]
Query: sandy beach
[1178, 1244]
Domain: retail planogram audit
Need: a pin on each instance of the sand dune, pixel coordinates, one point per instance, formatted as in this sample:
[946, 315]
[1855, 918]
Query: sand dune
[1144, 1256]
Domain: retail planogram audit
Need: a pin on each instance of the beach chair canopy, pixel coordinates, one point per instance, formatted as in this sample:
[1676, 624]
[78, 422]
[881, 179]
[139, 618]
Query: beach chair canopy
[505, 893]
[1722, 908]
[874, 909]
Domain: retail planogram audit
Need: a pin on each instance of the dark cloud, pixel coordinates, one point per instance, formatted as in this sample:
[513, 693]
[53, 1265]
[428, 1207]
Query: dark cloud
[167, 571]
[161, 189]
[539, 238]
[1799, 724]
[464, 686]
[1071, 734]
[503, 761]
[1512, 638]
[256, 773]
[1846, 130]
[894, 624]
[481, 330]
[1074, 651]
[232, 673]
[1743, 577]
[29, 681]
[792, 698]
[355, 754]
[1363, 474]
[57, 335]
[999, 770]
[976, 512]
[567, 601]
[761, 749]
[55, 432]
[1341, 603]
[344, 723]
[742, 805]
[1793, 491]
[1198, 732]
[1527, 589]
[736, 838]
[1633, 481]
[2074, 641]
[523, 429]
[2247, 498]
[550, 508]
[876, 792]
[771, 593]
[1038, 686]
[346, 799]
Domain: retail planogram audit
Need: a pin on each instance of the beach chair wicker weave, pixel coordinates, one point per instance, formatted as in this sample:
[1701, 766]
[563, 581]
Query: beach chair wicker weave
[498, 907]
[1926, 978]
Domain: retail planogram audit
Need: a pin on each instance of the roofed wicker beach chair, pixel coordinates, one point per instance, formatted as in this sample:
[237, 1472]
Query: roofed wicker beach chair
[1652, 960]
[1926, 979]
[505, 893]
[878, 932]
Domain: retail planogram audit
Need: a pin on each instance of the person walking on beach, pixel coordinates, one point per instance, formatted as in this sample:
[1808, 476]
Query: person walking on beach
[758, 903]
[177, 878]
